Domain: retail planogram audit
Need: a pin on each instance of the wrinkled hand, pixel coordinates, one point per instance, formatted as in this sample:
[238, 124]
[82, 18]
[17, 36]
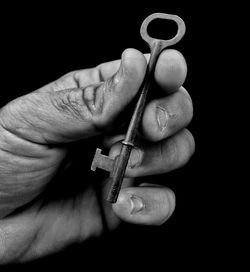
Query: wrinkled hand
[35, 130]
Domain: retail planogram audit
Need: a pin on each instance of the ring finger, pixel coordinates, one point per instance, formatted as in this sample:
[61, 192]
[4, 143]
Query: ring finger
[158, 158]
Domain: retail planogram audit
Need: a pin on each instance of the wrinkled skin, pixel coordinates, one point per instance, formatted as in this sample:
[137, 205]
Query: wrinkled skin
[35, 132]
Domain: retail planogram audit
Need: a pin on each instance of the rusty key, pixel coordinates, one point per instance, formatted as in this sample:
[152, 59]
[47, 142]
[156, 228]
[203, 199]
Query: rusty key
[117, 166]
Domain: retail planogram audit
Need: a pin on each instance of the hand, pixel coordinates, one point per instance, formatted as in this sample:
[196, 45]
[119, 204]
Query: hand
[35, 132]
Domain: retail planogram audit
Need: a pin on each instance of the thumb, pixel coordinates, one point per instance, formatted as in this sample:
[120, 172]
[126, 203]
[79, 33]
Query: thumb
[72, 114]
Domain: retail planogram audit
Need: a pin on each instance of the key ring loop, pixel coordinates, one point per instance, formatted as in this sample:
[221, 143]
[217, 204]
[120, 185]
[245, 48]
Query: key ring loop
[164, 43]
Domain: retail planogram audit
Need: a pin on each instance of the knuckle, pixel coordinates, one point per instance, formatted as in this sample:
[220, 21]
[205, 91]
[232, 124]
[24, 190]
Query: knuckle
[86, 77]
[77, 102]
[170, 153]
[188, 99]
[187, 147]
[178, 150]
[96, 74]
[189, 109]
[191, 141]
[187, 103]
[84, 104]
[167, 203]
[69, 80]
[67, 102]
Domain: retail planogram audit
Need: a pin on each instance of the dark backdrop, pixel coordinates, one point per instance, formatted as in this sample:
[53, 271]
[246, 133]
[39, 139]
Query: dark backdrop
[41, 43]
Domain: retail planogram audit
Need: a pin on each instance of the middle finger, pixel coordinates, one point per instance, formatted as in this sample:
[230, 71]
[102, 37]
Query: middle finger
[165, 116]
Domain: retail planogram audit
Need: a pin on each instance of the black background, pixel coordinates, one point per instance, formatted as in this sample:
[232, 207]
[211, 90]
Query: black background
[40, 43]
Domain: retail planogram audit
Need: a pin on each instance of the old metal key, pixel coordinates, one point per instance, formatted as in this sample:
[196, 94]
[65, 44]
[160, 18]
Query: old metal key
[117, 166]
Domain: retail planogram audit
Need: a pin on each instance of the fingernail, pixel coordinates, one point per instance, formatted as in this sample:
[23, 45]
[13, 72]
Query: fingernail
[162, 117]
[135, 158]
[137, 204]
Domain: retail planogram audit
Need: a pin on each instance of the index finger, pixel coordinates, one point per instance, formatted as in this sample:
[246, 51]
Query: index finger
[170, 70]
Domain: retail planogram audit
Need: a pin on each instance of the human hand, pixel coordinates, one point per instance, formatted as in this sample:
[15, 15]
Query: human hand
[35, 130]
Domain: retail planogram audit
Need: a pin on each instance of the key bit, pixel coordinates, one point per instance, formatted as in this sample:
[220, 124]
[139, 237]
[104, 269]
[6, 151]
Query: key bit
[117, 166]
[102, 161]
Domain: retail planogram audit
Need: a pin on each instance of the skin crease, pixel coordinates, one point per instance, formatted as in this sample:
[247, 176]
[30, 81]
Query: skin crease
[36, 128]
